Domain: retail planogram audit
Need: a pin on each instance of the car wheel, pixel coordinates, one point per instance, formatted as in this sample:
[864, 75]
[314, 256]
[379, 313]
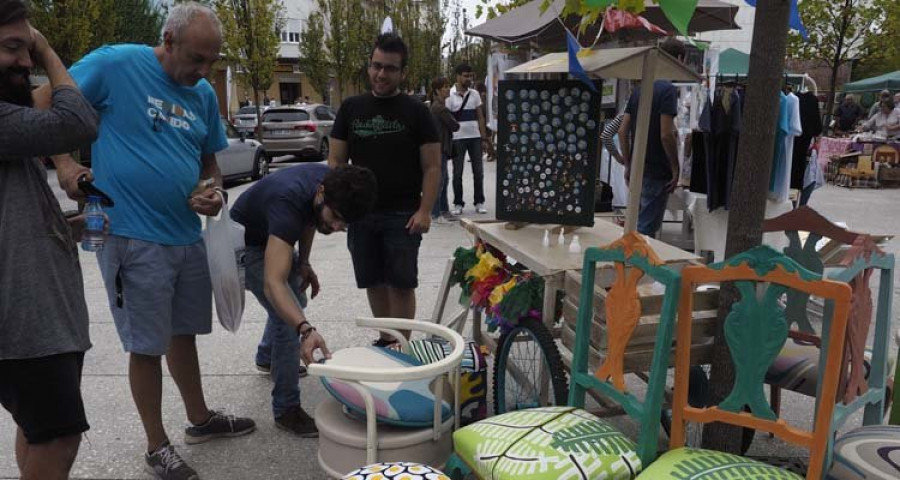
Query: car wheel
[260, 166]
[323, 150]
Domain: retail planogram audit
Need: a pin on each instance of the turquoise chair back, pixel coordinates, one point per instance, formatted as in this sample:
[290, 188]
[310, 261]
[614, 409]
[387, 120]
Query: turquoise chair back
[633, 259]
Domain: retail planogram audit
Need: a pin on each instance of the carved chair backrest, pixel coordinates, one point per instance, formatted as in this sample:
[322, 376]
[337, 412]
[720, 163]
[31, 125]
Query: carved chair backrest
[633, 259]
[755, 330]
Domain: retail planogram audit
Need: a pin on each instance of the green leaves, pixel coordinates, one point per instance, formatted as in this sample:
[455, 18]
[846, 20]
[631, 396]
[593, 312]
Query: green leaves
[250, 34]
[314, 58]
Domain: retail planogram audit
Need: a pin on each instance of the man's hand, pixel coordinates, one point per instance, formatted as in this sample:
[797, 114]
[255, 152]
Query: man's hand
[207, 202]
[309, 344]
[420, 222]
[41, 50]
[308, 278]
[68, 171]
[676, 177]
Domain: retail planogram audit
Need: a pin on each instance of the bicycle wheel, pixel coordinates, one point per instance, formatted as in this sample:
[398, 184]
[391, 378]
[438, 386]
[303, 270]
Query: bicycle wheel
[528, 369]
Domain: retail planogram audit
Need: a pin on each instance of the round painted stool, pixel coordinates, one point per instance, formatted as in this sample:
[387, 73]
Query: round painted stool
[396, 470]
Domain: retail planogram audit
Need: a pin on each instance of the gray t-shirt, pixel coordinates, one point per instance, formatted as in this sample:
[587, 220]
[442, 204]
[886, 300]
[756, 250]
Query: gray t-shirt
[42, 307]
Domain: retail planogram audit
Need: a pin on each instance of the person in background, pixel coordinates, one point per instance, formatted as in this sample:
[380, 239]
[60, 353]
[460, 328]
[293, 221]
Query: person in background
[393, 135]
[490, 152]
[43, 314]
[446, 124]
[848, 114]
[156, 156]
[883, 95]
[278, 212]
[464, 103]
[661, 168]
[885, 123]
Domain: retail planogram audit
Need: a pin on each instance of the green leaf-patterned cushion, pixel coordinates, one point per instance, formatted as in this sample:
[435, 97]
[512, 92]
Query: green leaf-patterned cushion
[547, 443]
[697, 464]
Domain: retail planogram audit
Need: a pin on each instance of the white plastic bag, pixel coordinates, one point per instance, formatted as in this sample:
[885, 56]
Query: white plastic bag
[223, 240]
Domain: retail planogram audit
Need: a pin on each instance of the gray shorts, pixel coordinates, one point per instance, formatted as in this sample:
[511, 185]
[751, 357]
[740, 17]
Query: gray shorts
[156, 292]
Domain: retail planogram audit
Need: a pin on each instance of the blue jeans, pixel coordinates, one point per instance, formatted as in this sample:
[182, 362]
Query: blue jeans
[654, 197]
[280, 345]
[441, 205]
[473, 147]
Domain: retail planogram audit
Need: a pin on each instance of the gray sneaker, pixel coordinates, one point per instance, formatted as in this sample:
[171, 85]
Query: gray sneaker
[166, 464]
[218, 425]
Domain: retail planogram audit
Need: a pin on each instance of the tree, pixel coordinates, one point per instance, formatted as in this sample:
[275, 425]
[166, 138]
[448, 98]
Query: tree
[349, 34]
[137, 21]
[837, 35]
[250, 47]
[422, 27]
[313, 56]
[70, 26]
[492, 9]
[883, 47]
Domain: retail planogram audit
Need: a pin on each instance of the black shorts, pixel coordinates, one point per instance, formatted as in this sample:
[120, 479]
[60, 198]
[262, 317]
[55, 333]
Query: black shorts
[384, 252]
[44, 395]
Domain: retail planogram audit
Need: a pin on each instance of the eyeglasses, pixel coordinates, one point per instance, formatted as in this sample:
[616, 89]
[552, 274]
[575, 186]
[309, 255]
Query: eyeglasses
[387, 68]
[156, 120]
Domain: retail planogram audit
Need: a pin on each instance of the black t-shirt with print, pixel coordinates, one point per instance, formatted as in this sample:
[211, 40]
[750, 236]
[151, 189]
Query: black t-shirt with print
[384, 134]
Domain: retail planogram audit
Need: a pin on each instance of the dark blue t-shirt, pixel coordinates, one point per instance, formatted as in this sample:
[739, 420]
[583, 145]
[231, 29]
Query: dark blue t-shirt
[665, 102]
[280, 204]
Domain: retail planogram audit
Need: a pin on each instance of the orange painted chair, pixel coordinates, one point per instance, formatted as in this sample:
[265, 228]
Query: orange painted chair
[755, 330]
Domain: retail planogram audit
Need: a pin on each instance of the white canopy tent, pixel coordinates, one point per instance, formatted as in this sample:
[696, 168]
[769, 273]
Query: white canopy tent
[646, 64]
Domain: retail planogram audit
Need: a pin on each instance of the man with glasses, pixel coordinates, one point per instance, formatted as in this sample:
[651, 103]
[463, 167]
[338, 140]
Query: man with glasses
[160, 131]
[393, 135]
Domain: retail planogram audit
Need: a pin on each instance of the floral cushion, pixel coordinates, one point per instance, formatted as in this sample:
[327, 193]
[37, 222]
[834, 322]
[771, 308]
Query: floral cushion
[796, 368]
[697, 464]
[405, 404]
[867, 453]
[396, 470]
[547, 443]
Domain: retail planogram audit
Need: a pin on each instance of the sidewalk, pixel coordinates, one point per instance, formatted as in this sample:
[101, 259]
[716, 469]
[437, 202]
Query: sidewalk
[113, 447]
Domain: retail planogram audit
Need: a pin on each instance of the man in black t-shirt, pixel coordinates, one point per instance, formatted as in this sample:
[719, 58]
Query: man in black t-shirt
[278, 212]
[393, 135]
[661, 167]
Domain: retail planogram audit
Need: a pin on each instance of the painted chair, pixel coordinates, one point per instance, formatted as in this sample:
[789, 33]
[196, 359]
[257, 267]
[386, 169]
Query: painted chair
[869, 452]
[567, 441]
[755, 330]
[386, 406]
[864, 371]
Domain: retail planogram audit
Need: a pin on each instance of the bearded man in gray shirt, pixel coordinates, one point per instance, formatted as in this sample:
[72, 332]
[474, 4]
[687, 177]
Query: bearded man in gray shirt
[43, 316]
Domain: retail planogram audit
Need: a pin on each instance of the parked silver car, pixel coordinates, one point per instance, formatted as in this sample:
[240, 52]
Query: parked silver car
[245, 120]
[300, 130]
[243, 157]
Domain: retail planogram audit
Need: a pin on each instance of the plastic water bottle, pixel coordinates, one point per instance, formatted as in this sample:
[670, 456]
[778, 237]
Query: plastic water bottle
[94, 236]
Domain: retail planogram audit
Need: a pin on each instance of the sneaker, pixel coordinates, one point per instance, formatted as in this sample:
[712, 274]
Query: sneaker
[440, 220]
[479, 208]
[298, 422]
[449, 218]
[457, 210]
[384, 342]
[166, 464]
[218, 425]
[266, 368]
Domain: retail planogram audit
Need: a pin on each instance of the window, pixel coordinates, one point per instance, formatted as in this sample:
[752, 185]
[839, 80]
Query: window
[230, 131]
[290, 37]
[285, 116]
[323, 113]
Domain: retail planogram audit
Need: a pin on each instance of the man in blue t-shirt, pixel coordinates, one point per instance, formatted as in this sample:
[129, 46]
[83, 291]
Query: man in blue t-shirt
[278, 212]
[661, 168]
[159, 133]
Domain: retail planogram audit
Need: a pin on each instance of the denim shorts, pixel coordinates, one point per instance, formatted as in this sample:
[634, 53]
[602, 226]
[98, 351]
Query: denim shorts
[384, 252]
[156, 292]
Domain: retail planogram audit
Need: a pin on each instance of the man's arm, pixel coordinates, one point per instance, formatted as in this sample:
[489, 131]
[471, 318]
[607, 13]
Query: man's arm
[481, 124]
[338, 153]
[669, 140]
[308, 276]
[624, 141]
[208, 202]
[278, 260]
[430, 157]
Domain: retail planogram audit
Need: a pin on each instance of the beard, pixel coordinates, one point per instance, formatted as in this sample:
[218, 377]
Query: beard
[15, 86]
[321, 226]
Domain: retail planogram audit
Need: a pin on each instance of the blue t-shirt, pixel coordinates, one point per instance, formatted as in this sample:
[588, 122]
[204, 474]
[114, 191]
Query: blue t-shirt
[152, 134]
[280, 204]
[665, 102]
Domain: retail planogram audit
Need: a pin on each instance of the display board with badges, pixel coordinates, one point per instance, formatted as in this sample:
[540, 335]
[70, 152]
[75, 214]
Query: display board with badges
[547, 140]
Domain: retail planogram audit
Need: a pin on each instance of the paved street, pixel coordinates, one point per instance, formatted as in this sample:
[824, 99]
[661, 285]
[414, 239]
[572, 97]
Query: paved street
[112, 448]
